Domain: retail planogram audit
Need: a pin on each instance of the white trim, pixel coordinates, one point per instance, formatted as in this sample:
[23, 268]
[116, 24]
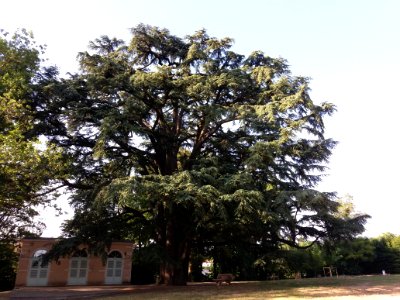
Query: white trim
[115, 268]
[78, 270]
[41, 272]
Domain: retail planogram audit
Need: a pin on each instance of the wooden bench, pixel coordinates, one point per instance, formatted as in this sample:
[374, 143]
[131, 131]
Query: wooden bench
[228, 278]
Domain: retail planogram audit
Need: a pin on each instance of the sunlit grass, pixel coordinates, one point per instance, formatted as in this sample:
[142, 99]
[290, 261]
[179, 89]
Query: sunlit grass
[345, 287]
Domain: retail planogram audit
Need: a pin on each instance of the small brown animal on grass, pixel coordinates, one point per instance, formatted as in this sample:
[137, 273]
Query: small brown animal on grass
[228, 278]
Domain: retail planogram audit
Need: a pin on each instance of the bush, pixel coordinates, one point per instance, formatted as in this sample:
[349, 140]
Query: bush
[8, 266]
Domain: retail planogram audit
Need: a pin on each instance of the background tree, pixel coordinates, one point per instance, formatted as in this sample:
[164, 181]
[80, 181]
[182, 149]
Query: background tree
[189, 144]
[353, 257]
[387, 254]
[8, 264]
[26, 170]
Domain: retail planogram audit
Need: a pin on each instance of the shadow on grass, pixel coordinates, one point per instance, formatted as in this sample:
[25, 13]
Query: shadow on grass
[278, 289]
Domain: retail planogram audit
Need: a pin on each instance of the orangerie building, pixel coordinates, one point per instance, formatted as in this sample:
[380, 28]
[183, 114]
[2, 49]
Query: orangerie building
[78, 269]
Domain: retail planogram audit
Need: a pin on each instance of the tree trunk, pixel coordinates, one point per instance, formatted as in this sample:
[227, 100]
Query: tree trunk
[174, 272]
[175, 266]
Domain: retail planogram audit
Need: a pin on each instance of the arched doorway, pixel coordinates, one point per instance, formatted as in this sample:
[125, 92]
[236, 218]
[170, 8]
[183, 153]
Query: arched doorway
[39, 269]
[114, 268]
[78, 268]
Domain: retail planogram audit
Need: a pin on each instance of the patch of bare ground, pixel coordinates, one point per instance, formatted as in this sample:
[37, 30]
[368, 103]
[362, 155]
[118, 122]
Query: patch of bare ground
[366, 287]
[325, 292]
[349, 288]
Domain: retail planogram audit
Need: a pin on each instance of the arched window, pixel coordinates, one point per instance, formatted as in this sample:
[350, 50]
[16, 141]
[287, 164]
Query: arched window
[78, 268]
[114, 268]
[39, 269]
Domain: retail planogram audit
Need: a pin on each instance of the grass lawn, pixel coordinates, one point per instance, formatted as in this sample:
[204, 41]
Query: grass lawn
[344, 287]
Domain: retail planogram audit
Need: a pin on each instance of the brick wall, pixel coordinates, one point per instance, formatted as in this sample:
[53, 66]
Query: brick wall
[58, 272]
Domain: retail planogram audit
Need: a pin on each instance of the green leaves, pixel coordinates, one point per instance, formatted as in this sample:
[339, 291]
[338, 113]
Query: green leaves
[27, 171]
[193, 142]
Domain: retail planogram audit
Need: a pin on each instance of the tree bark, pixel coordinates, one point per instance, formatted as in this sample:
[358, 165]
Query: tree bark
[175, 272]
[175, 265]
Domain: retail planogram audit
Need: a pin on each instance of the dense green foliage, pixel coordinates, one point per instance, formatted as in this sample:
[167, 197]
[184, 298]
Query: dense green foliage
[25, 169]
[8, 265]
[187, 145]
[358, 256]
[351, 257]
[27, 173]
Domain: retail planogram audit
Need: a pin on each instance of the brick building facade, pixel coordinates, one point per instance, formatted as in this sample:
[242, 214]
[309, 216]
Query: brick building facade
[80, 268]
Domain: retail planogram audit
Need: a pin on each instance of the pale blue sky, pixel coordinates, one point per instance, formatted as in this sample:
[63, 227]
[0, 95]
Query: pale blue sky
[350, 48]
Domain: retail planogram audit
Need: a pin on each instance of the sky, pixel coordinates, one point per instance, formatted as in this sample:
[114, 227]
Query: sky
[349, 48]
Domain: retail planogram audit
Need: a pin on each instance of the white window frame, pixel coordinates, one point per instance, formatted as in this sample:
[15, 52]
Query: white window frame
[41, 272]
[78, 268]
[112, 269]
